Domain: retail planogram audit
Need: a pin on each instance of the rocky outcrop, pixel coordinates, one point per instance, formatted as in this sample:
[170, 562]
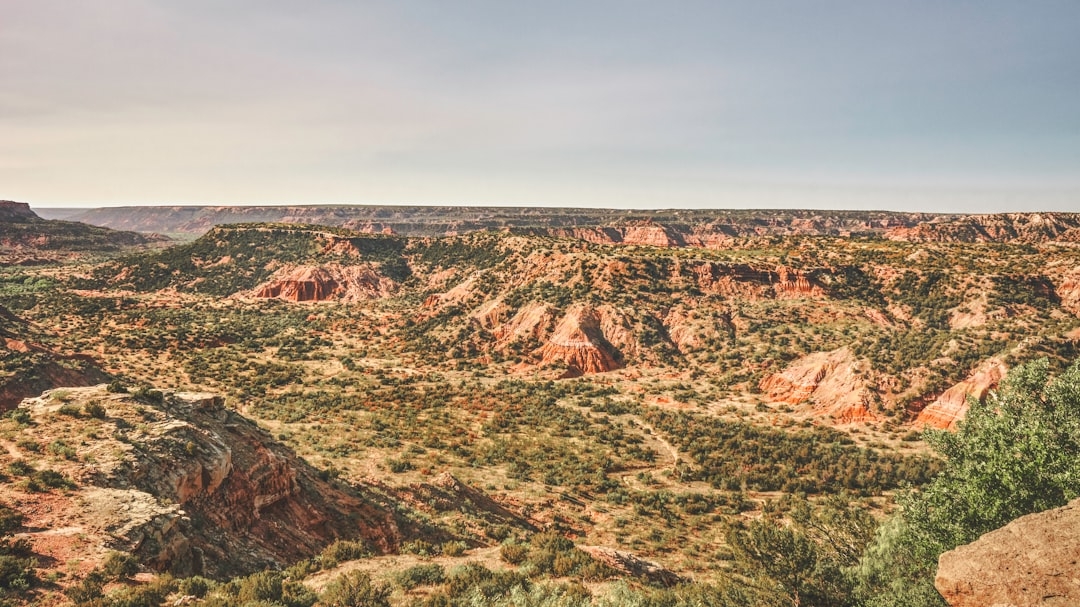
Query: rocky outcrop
[792, 283]
[1032, 561]
[1068, 290]
[633, 565]
[951, 407]
[531, 321]
[578, 343]
[827, 382]
[747, 282]
[16, 211]
[326, 283]
[192, 487]
[1002, 227]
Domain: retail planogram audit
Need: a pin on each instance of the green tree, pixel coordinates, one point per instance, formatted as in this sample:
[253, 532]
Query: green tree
[1014, 454]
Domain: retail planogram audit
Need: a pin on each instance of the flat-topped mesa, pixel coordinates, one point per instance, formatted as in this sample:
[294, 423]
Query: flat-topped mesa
[952, 405]
[646, 233]
[579, 344]
[16, 211]
[1001, 227]
[827, 381]
[325, 283]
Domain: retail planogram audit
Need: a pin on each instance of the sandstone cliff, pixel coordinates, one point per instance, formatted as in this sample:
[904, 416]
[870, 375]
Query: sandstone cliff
[325, 283]
[192, 487]
[1002, 227]
[1030, 562]
[952, 405]
[826, 382]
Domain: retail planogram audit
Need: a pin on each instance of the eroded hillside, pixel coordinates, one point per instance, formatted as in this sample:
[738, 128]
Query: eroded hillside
[625, 401]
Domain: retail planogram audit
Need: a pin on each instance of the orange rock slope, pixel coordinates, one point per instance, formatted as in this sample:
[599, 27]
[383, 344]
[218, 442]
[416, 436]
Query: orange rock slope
[324, 283]
[952, 405]
[827, 382]
[579, 343]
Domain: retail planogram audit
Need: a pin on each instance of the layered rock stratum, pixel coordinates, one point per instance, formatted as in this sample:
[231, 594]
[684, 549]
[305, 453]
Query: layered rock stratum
[332, 282]
[952, 405]
[192, 487]
[578, 342]
[827, 383]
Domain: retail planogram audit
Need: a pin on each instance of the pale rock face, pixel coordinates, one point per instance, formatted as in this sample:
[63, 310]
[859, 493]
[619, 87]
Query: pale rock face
[579, 343]
[325, 283]
[1032, 561]
[529, 322]
[952, 405]
[827, 381]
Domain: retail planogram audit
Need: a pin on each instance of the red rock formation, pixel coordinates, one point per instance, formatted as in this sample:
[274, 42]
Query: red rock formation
[531, 321]
[746, 282]
[579, 343]
[218, 495]
[691, 331]
[324, 283]
[16, 211]
[1068, 289]
[827, 382]
[791, 284]
[952, 405]
[1030, 562]
[490, 315]
[652, 234]
[1002, 227]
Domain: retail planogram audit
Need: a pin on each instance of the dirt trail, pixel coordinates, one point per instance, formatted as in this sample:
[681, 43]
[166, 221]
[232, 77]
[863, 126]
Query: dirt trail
[12, 450]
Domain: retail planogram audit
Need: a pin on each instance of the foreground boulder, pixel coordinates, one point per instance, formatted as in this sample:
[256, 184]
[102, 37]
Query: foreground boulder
[1034, 560]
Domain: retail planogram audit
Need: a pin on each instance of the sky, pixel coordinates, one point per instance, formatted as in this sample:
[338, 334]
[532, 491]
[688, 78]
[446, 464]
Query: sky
[958, 106]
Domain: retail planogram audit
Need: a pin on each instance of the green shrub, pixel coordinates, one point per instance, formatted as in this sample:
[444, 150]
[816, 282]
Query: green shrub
[355, 589]
[94, 409]
[21, 416]
[455, 548]
[1014, 454]
[420, 575]
[70, 409]
[120, 566]
[514, 553]
[342, 551]
[61, 449]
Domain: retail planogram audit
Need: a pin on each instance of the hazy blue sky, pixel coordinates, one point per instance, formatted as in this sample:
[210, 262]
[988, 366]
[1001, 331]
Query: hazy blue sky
[955, 105]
